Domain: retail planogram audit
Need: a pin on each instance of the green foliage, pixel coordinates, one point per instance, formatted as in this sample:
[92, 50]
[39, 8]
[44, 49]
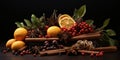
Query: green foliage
[110, 32]
[34, 23]
[79, 13]
[105, 24]
[90, 22]
[18, 24]
[107, 33]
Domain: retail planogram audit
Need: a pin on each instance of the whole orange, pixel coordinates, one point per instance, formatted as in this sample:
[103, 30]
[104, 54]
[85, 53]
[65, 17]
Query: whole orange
[53, 31]
[17, 45]
[20, 33]
[9, 42]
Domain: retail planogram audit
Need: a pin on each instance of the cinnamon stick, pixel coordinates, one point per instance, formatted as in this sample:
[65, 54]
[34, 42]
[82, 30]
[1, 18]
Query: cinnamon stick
[89, 52]
[88, 36]
[52, 52]
[39, 39]
[106, 49]
[95, 35]
[21, 49]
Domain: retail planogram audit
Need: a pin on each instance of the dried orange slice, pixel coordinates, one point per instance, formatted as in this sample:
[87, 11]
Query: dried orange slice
[66, 21]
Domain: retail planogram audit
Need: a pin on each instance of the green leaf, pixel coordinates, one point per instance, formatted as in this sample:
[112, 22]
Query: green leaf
[82, 11]
[90, 22]
[22, 24]
[28, 23]
[33, 19]
[75, 14]
[18, 24]
[41, 19]
[106, 22]
[111, 42]
[33, 27]
[110, 32]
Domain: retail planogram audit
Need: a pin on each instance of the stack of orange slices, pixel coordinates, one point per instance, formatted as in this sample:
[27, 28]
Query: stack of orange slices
[66, 21]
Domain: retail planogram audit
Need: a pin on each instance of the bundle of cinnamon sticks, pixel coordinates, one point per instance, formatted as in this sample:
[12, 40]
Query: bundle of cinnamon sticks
[95, 35]
[94, 51]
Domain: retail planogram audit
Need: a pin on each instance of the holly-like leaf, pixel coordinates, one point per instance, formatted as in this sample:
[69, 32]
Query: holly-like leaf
[18, 24]
[28, 23]
[112, 42]
[75, 14]
[105, 24]
[82, 11]
[79, 13]
[110, 32]
[33, 19]
[22, 24]
[90, 22]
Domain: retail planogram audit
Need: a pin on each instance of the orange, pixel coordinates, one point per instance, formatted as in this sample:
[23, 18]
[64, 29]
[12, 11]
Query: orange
[53, 31]
[20, 33]
[9, 43]
[17, 45]
[66, 21]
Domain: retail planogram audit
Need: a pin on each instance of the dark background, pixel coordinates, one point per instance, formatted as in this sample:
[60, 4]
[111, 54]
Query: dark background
[17, 10]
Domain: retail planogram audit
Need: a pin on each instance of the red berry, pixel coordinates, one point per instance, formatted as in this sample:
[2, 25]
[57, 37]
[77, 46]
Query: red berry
[70, 32]
[97, 54]
[21, 53]
[40, 36]
[73, 28]
[75, 24]
[29, 52]
[82, 53]
[4, 51]
[74, 31]
[33, 31]
[86, 25]
[46, 36]
[73, 34]
[92, 54]
[27, 36]
[101, 53]
[64, 29]
[86, 30]
[34, 55]
[83, 23]
[46, 27]
[82, 31]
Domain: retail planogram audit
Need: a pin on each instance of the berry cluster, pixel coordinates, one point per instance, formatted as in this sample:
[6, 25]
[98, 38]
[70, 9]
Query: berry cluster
[85, 28]
[78, 29]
